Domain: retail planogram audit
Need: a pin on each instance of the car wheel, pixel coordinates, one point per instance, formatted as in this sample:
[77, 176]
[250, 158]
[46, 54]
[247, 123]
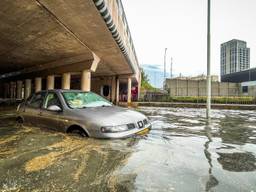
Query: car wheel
[19, 122]
[78, 132]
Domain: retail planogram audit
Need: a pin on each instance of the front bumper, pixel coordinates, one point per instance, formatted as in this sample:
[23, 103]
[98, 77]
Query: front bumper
[126, 134]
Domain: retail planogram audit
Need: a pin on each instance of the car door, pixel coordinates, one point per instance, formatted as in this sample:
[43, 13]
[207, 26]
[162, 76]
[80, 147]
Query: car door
[31, 111]
[49, 118]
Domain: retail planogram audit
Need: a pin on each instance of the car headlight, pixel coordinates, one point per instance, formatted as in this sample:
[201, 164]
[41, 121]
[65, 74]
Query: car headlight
[114, 129]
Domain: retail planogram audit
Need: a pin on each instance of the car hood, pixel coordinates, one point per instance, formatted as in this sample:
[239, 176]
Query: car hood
[110, 116]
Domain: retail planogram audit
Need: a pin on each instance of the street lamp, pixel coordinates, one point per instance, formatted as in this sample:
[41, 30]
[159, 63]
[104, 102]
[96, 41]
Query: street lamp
[208, 108]
[165, 50]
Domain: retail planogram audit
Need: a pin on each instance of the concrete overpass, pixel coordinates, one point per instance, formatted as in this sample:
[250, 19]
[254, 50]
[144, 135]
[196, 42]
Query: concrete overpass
[80, 44]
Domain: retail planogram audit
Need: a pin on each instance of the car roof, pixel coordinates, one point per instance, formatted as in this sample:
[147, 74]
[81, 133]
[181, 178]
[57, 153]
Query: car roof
[61, 90]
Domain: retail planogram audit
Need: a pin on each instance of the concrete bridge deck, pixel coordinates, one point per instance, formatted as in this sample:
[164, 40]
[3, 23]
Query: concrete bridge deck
[84, 40]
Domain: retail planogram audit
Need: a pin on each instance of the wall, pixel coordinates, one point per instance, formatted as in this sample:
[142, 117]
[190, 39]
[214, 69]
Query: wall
[96, 85]
[198, 88]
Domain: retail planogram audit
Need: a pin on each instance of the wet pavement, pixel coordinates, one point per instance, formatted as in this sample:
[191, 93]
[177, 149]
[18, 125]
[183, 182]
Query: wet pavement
[181, 153]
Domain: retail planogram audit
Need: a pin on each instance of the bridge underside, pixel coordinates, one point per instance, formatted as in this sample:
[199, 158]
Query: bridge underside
[42, 38]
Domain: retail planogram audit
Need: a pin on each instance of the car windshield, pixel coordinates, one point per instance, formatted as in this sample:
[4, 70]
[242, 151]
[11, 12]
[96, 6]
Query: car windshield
[78, 100]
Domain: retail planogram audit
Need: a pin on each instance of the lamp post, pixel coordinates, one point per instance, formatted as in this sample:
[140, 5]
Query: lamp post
[171, 68]
[208, 108]
[165, 50]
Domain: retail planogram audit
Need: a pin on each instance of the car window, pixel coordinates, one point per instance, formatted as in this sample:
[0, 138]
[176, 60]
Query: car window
[36, 100]
[77, 100]
[51, 99]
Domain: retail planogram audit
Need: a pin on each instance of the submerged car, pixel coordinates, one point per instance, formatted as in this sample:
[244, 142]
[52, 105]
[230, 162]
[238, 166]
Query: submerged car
[79, 112]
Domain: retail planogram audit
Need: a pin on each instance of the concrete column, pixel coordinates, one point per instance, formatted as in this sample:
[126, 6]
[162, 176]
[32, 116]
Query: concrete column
[117, 90]
[38, 84]
[139, 86]
[11, 90]
[113, 89]
[27, 88]
[129, 90]
[86, 80]
[66, 81]
[19, 89]
[50, 82]
[6, 90]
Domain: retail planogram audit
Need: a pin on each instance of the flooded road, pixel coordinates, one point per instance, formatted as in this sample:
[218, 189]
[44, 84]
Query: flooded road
[181, 153]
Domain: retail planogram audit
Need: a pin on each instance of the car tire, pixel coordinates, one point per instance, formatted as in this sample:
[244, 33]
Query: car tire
[78, 132]
[19, 121]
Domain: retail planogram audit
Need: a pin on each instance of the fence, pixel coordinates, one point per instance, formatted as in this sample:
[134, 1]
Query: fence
[165, 97]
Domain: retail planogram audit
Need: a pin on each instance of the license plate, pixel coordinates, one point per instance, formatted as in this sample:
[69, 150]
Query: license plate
[143, 132]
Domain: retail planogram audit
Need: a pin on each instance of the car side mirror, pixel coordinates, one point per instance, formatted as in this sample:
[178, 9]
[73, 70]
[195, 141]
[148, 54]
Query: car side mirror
[55, 108]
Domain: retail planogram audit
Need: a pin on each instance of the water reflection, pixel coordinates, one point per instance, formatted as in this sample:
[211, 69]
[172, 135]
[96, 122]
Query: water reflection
[212, 181]
[237, 162]
[236, 130]
[230, 145]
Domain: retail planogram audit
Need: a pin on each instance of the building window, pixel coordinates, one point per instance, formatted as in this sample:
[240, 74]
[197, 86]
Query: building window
[245, 89]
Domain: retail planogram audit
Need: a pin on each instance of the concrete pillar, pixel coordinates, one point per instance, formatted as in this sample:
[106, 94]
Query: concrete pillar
[117, 90]
[38, 84]
[11, 90]
[6, 90]
[50, 82]
[19, 89]
[129, 90]
[139, 87]
[113, 89]
[66, 81]
[86, 80]
[27, 88]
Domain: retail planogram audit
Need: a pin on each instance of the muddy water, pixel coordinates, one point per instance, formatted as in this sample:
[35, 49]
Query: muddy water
[181, 153]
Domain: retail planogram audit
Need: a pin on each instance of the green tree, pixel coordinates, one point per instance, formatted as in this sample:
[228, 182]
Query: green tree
[145, 85]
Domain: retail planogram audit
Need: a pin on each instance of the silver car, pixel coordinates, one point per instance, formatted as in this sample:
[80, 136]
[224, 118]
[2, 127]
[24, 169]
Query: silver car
[79, 112]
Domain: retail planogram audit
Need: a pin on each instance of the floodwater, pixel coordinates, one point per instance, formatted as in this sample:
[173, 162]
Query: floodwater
[181, 153]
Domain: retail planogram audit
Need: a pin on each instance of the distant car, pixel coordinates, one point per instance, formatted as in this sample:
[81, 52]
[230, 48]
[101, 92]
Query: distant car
[79, 112]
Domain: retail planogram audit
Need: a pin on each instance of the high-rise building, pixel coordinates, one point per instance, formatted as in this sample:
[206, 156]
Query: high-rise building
[235, 57]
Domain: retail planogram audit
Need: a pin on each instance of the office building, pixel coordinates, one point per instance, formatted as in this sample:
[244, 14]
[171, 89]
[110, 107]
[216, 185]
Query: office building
[235, 57]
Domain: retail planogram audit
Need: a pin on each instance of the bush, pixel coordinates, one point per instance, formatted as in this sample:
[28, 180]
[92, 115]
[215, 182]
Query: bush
[217, 100]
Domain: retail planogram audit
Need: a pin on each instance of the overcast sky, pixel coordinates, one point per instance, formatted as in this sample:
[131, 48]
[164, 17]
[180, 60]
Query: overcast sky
[180, 25]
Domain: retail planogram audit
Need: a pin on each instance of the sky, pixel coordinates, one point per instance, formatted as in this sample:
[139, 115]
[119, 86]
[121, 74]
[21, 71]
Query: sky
[181, 27]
